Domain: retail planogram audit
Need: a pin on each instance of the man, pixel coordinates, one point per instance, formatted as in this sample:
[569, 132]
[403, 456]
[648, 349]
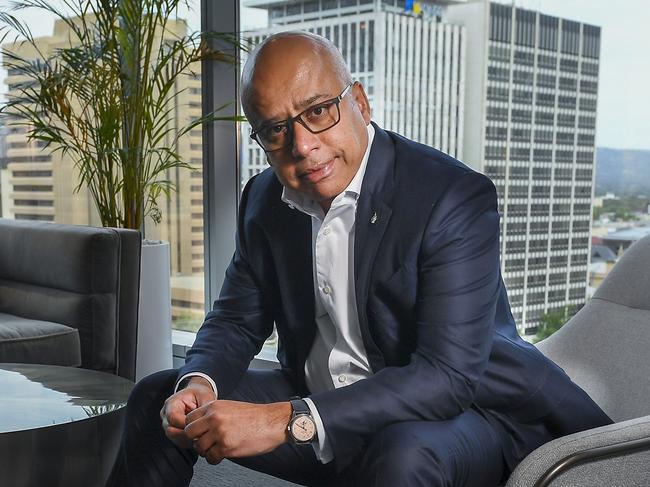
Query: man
[378, 260]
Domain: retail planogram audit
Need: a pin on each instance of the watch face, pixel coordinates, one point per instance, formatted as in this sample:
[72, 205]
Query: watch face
[303, 428]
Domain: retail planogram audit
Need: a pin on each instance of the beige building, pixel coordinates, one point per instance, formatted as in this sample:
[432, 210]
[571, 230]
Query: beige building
[39, 185]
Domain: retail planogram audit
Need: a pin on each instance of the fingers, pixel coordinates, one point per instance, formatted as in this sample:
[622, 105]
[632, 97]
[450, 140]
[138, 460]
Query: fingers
[197, 427]
[206, 432]
[204, 444]
[178, 437]
[177, 406]
[202, 390]
[213, 456]
[173, 415]
[198, 413]
[210, 447]
[175, 434]
[173, 411]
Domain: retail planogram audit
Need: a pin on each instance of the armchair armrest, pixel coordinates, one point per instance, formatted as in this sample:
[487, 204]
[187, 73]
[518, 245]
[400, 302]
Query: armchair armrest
[616, 454]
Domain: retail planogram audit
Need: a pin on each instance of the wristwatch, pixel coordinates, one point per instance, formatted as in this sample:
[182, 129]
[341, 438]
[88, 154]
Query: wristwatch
[302, 427]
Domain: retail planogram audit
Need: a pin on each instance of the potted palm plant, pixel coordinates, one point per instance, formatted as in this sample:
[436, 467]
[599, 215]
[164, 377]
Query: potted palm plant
[105, 100]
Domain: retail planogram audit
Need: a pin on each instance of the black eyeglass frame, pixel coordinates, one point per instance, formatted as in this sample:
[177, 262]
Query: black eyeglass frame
[289, 122]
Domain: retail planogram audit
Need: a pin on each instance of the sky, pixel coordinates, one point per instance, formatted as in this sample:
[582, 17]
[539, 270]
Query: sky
[623, 117]
[624, 93]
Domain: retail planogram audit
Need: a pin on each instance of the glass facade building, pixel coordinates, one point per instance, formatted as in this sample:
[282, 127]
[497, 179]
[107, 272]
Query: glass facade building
[530, 112]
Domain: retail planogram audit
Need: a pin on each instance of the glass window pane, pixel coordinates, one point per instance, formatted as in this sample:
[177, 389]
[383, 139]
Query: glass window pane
[252, 159]
[39, 184]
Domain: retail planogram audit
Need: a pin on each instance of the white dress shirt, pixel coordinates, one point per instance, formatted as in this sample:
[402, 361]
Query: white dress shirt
[338, 356]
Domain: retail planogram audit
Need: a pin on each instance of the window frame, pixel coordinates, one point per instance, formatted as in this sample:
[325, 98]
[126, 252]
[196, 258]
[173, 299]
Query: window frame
[221, 151]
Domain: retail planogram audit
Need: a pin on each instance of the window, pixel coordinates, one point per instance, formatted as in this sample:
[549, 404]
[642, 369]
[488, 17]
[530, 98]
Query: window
[543, 136]
[522, 96]
[570, 37]
[546, 80]
[525, 27]
[496, 133]
[546, 99]
[525, 58]
[544, 118]
[567, 102]
[39, 183]
[548, 129]
[500, 22]
[566, 119]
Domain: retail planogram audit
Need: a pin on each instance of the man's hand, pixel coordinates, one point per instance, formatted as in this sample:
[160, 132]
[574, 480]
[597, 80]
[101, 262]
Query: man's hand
[232, 429]
[197, 393]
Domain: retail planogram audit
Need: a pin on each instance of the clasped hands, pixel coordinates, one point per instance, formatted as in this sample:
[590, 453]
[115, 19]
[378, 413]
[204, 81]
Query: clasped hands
[218, 429]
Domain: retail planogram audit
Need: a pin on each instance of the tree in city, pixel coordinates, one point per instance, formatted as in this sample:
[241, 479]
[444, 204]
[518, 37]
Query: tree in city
[552, 321]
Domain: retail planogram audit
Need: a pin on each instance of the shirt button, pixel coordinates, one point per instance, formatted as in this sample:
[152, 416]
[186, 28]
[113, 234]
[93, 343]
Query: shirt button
[327, 289]
[327, 230]
[343, 378]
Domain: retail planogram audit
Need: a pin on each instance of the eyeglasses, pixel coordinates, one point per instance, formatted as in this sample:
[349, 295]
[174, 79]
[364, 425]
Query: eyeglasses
[317, 118]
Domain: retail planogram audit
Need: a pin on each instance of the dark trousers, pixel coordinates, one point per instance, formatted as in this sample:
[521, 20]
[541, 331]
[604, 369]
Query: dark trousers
[464, 451]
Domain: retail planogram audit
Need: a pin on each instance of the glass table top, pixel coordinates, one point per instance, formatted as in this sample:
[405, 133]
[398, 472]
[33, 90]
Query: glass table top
[37, 396]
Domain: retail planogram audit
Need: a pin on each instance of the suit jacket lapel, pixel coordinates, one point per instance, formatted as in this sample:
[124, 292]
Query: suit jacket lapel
[291, 240]
[373, 215]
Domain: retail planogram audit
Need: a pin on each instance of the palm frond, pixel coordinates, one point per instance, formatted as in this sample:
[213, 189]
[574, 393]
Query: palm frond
[106, 99]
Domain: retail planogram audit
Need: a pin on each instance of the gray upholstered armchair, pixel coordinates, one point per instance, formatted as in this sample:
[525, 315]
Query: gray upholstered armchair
[605, 348]
[69, 295]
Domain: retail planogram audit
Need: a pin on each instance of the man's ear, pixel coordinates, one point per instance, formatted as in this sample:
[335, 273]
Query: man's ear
[361, 101]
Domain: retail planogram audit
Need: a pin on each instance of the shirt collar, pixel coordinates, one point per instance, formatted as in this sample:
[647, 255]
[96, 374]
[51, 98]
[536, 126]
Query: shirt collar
[298, 200]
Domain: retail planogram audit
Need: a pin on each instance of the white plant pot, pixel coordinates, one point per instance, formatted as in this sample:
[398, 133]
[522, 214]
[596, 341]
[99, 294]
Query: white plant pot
[154, 350]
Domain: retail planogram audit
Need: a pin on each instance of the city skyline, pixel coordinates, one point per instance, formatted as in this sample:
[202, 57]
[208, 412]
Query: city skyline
[622, 122]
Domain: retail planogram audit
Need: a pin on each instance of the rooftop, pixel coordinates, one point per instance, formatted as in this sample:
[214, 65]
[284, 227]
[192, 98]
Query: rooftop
[602, 253]
[628, 234]
[275, 3]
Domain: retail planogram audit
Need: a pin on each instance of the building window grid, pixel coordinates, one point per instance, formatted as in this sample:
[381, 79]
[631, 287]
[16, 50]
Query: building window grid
[572, 158]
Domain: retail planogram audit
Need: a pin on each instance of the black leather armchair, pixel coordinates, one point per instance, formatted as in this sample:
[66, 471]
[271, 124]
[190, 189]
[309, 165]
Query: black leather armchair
[69, 295]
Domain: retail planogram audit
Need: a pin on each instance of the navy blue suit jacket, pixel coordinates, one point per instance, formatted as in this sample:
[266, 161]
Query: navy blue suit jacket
[433, 310]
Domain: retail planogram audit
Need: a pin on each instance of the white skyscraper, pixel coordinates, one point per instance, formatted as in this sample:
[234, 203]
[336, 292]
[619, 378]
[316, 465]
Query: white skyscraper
[412, 67]
[530, 117]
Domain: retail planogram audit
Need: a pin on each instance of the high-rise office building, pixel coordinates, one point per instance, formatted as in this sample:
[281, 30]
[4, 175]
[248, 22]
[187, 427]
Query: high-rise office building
[530, 117]
[39, 184]
[411, 67]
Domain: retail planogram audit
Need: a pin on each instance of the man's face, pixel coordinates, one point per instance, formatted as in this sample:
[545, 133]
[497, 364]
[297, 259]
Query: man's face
[318, 165]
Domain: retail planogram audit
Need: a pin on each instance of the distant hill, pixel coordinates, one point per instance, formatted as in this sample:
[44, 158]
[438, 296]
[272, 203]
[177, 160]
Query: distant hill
[622, 171]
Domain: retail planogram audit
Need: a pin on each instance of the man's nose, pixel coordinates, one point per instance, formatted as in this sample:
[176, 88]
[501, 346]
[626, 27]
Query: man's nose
[303, 141]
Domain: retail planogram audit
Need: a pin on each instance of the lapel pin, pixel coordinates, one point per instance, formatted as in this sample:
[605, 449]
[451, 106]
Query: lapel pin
[374, 218]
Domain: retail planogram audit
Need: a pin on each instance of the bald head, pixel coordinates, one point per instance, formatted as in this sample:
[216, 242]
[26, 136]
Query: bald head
[289, 54]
